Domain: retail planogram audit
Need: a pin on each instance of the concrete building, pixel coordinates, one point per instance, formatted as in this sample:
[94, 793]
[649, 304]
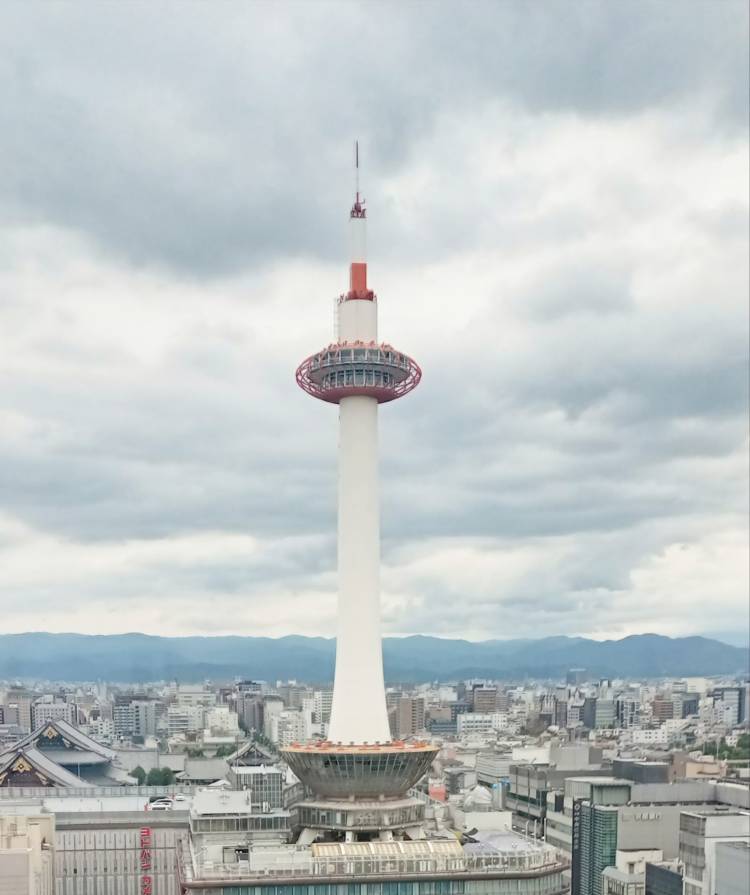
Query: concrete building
[700, 834]
[493, 768]
[731, 703]
[18, 709]
[104, 844]
[484, 700]
[408, 717]
[732, 868]
[273, 706]
[220, 720]
[618, 815]
[529, 784]
[265, 785]
[323, 702]
[134, 718]
[44, 711]
[619, 882]
[27, 854]
[662, 709]
[471, 723]
[185, 718]
[288, 727]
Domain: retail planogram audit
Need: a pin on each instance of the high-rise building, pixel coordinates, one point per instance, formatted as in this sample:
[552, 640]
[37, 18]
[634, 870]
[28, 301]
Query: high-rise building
[322, 706]
[409, 717]
[484, 699]
[134, 717]
[690, 704]
[732, 703]
[589, 712]
[662, 709]
[185, 719]
[273, 706]
[627, 711]
[19, 706]
[53, 711]
[250, 711]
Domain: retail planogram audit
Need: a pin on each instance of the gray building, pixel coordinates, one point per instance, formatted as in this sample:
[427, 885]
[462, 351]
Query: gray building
[701, 832]
[732, 872]
[134, 718]
[641, 771]
[618, 815]
[529, 784]
[664, 878]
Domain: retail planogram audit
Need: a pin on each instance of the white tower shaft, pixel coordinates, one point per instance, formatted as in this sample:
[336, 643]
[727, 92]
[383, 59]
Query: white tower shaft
[358, 713]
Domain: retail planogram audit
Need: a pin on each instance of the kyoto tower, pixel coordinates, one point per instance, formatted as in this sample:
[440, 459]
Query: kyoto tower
[358, 373]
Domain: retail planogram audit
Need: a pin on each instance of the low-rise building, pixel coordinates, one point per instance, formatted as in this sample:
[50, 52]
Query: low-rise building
[27, 854]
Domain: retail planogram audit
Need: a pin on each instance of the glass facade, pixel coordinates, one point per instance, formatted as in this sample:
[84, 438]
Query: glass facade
[397, 814]
[550, 884]
[378, 370]
[594, 846]
[240, 823]
[366, 774]
[663, 880]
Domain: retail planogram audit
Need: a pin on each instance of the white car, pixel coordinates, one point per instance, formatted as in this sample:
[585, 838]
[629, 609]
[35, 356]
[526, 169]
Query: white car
[160, 805]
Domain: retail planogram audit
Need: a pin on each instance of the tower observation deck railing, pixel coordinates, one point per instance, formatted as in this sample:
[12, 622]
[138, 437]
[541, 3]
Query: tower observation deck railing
[347, 368]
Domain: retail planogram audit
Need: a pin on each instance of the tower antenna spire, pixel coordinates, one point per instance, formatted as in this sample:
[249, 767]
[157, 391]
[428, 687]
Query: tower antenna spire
[358, 209]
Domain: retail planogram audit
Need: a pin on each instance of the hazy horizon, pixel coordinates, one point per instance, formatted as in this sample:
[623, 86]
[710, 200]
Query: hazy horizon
[729, 638]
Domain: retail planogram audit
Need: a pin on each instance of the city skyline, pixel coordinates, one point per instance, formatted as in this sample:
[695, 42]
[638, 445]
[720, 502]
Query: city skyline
[565, 253]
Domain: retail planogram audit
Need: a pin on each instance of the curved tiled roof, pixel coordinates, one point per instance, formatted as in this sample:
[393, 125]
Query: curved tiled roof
[74, 742]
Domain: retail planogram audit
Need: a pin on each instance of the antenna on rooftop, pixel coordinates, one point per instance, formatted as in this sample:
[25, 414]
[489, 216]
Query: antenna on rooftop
[356, 168]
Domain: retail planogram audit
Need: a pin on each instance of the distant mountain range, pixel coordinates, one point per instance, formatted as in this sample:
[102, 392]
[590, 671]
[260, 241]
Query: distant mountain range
[130, 658]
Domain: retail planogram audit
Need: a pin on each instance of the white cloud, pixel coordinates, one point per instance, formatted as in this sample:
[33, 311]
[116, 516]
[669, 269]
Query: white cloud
[567, 262]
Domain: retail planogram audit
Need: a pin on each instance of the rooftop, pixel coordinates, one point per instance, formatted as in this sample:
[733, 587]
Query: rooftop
[511, 856]
[317, 746]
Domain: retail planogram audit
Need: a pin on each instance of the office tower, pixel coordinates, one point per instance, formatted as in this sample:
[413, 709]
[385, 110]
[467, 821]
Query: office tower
[484, 699]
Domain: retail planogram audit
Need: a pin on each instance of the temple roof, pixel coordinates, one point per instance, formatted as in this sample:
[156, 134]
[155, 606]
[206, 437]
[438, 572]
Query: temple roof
[252, 753]
[27, 766]
[65, 744]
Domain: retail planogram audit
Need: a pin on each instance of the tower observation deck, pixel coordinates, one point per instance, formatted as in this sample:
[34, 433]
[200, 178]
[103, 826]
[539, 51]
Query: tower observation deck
[358, 372]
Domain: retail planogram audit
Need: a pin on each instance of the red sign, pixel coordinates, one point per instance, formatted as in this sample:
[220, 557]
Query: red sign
[146, 879]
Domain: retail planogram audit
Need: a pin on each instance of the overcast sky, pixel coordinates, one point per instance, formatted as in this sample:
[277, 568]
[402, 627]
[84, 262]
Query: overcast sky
[558, 233]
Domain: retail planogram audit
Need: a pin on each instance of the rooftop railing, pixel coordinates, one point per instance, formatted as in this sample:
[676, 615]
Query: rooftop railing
[300, 863]
[92, 792]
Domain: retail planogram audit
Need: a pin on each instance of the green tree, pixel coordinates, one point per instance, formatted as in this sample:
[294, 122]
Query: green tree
[160, 777]
[139, 774]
